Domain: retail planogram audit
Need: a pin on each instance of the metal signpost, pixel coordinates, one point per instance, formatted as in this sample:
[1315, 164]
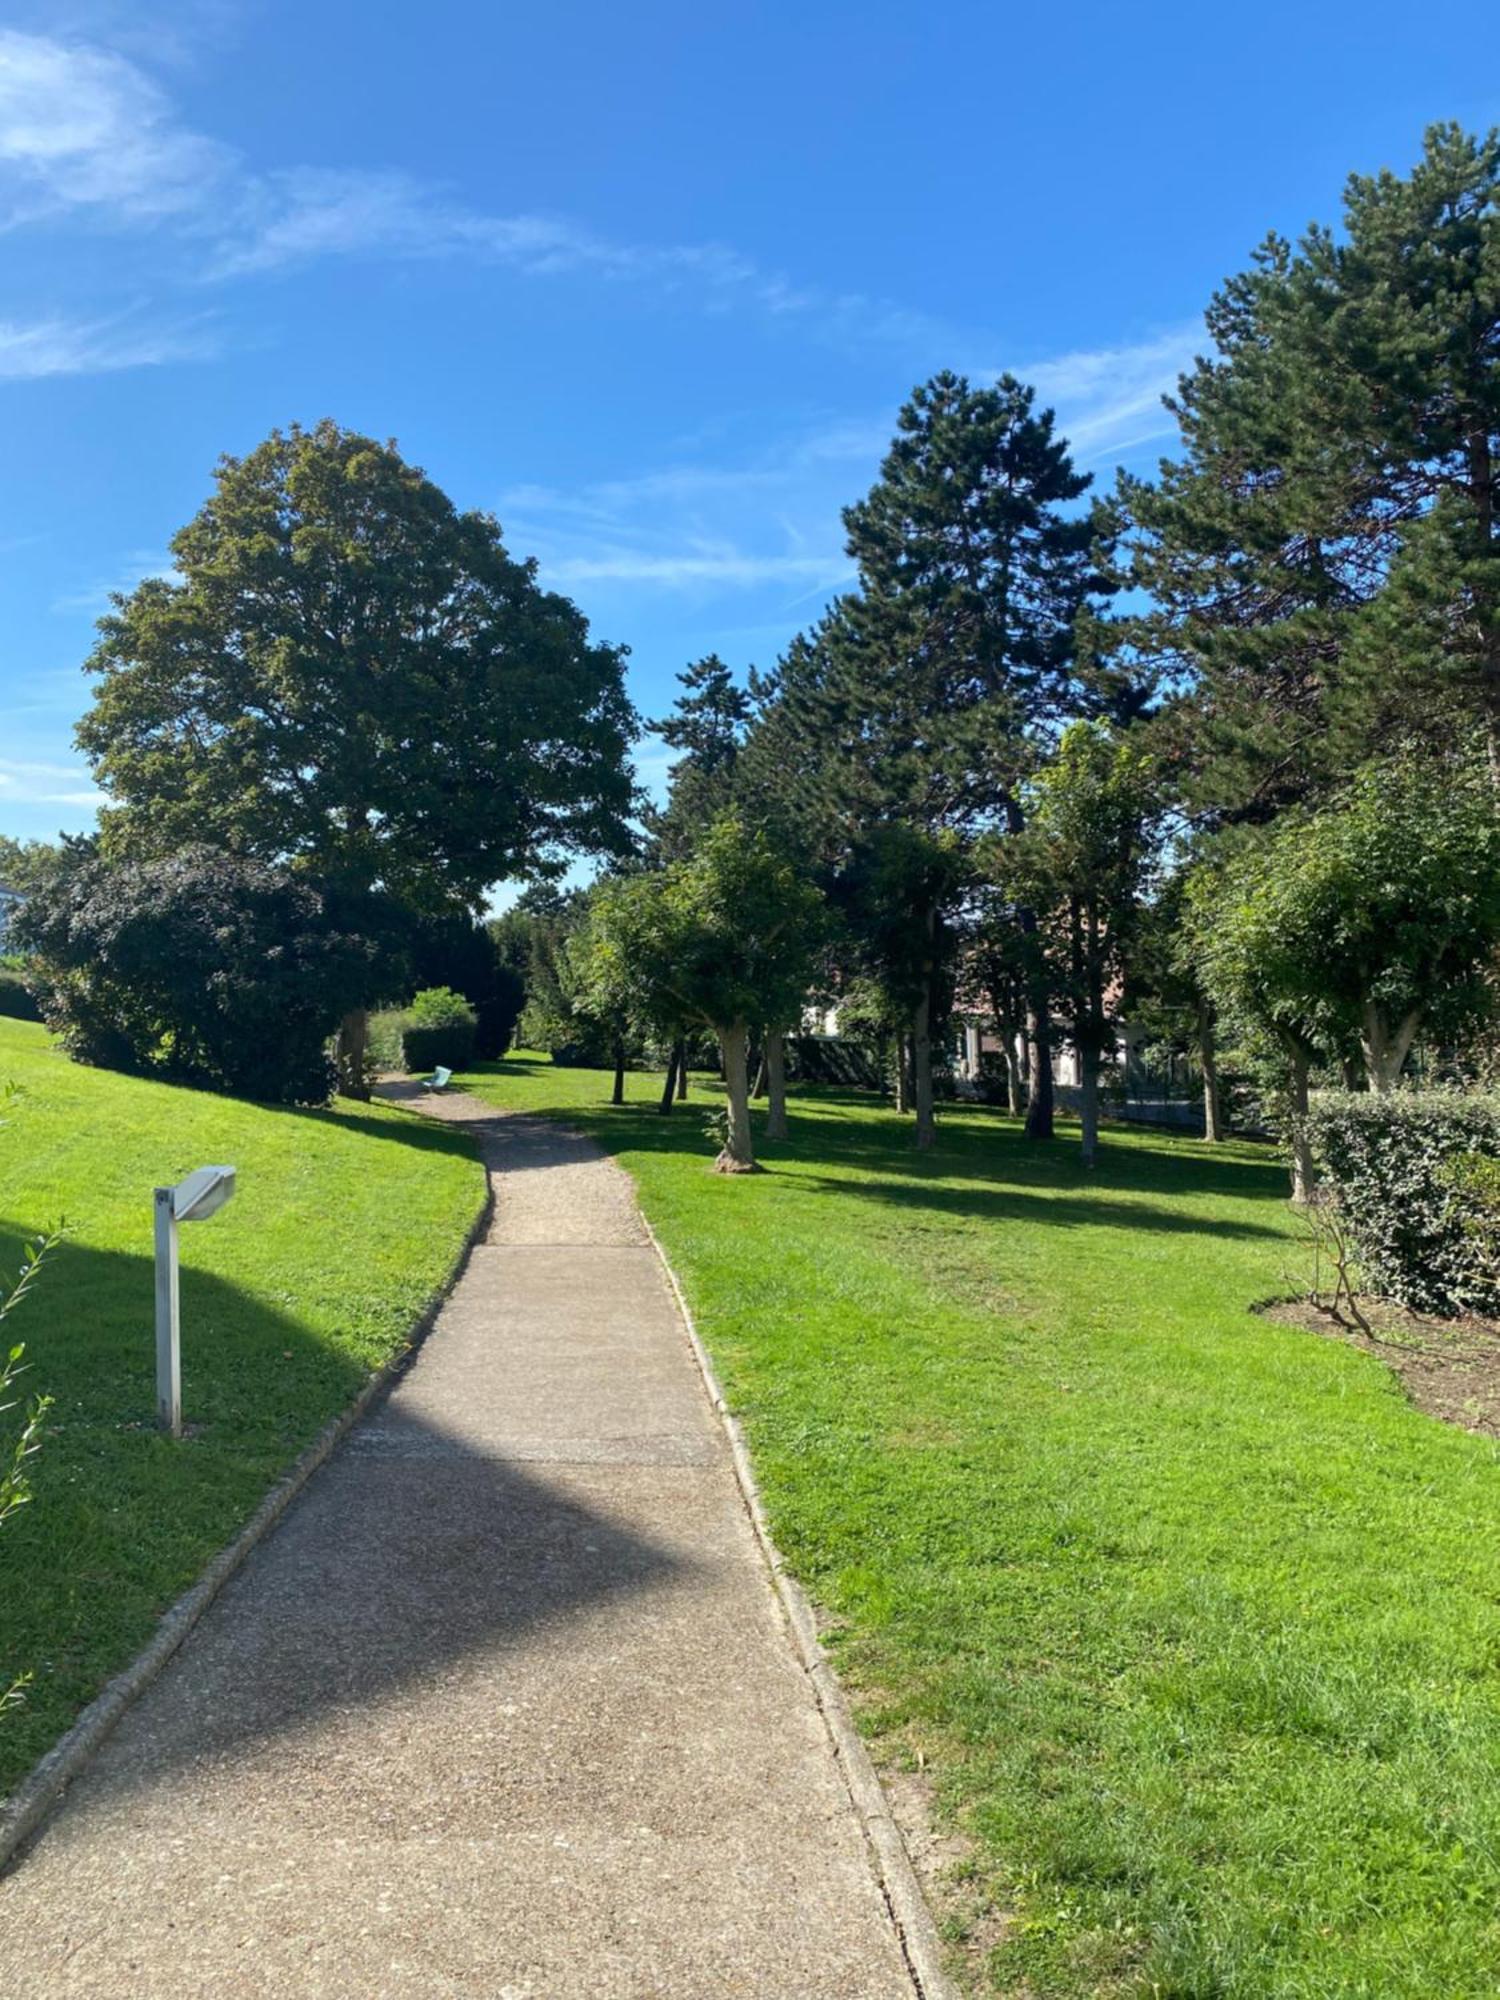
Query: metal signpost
[202, 1194]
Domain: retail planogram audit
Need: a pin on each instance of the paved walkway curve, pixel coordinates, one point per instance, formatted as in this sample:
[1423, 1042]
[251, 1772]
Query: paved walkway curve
[504, 1707]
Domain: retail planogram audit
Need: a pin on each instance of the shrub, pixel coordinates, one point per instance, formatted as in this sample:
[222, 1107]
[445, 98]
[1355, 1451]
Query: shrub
[588, 1047]
[384, 1044]
[1411, 1175]
[455, 952]
[206, 967]
[440, 1027]
[17, 1001]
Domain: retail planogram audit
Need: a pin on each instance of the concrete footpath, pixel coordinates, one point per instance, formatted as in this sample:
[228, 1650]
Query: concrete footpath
[505, 1706]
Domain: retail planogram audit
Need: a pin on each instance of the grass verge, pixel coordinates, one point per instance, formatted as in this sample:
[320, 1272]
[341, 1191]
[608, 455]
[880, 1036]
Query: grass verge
[344, 1226]
[1189, 1616]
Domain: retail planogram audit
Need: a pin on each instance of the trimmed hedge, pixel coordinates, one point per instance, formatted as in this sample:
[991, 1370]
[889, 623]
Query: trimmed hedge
[440, 1027]
[1405, 1171]
[17, 1002]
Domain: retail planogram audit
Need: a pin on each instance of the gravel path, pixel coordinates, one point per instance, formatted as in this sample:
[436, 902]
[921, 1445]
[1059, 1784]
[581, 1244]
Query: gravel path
[504, 1707]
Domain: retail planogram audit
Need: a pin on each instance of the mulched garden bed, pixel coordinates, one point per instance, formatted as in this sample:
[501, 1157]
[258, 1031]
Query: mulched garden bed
[1448, 1367]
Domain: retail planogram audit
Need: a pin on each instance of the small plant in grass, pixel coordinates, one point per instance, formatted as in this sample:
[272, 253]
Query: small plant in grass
[1326, 1235]
[440, 1027]
[15, 1486]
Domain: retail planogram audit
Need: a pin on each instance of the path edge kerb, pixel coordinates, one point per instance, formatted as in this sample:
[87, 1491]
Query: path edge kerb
[23, 1813]
[915, 1928]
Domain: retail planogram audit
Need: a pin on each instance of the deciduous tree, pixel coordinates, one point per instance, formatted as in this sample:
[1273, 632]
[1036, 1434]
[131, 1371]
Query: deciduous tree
[1085, 855]
[724, 938]
[348, 674]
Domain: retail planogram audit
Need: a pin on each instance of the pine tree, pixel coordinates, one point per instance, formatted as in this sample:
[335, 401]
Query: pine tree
[921, 699]
[707, 725]
[1324, 556]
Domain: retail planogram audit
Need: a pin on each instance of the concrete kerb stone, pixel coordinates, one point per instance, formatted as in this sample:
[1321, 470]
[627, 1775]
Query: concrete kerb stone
[910, 1915]
[23, 1813]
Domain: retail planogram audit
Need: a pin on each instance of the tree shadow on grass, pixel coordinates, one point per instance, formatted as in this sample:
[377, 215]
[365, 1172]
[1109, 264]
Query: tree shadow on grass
[407, 1129]
[972, 1147]
[1022, 1204]
[123, 1518]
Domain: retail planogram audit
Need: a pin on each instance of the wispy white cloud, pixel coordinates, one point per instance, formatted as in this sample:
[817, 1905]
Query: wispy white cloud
[46, 784]
[174, 34]
[724, 567]
[31, 351]
[772, 521]
[83, 128]
[132, 569]
[289, 218]
[1109, 399]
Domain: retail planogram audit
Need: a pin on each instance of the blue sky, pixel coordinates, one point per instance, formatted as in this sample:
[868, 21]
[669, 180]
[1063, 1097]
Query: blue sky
[649, 282]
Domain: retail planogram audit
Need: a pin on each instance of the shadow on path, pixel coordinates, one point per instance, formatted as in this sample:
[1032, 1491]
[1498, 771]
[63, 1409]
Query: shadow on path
[409, 1554]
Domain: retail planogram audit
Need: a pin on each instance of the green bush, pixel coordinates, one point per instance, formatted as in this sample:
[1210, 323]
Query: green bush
[204, 967]
[440, 1027]
[16, 998]
[1411, 1176]
[385, 1029]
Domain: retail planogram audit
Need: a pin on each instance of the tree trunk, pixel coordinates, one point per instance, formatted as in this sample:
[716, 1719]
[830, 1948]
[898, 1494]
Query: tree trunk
[682, 1075]
[617, 1095]
[669, 1084]
[921, 1046]
[775, 1063]
[1088, 1102]
[903, 1076]
[1482, 493]
[738, 1156]
[1007, 1034]
[1302, 1161]
[762, 1072]
[1039, 1060]
[354, 1043]
[1386, 1048]
[1038, 1011]
[1208, 1063]
[1015, 1095]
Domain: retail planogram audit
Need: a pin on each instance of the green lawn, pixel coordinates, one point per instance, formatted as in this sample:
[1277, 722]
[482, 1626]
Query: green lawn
[344, 1225]
[1193, 1621]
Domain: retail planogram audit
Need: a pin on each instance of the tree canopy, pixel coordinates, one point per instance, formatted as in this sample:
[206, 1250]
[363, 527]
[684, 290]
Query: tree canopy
[1323, 558]
[723, 938]
[347, 673]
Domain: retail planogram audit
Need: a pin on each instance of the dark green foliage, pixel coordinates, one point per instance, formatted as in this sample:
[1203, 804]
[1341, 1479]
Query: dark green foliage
[17, 1001]
[726, 938]
[440, 1027]
[1324, 557]
[1363, 923]
[708, 725]
[587, 1045]
[832, 1059]
[919, 694]
[1404, 1171]
[349, 671]
[923, 701]
[208, 968]
[28, 865]
[455, 951]
[532, 942]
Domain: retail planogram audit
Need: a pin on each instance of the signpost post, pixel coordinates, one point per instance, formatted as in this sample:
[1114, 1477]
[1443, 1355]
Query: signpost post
[202, 1194]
